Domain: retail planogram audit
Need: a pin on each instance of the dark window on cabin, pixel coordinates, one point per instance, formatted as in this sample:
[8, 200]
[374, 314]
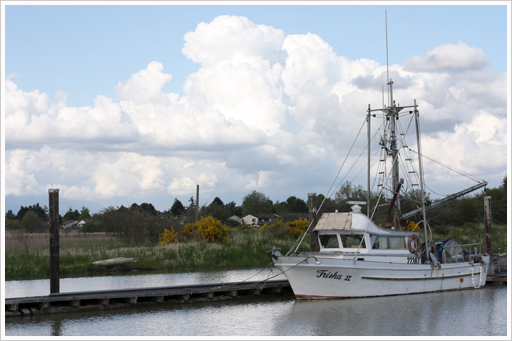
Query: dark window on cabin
[353, 241]
[329, 241]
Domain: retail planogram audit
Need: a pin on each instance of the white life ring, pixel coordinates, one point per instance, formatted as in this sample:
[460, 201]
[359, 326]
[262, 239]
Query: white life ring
[417, 242]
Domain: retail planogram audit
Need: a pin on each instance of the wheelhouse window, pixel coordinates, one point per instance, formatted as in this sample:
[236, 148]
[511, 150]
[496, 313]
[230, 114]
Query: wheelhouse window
[385, 242]
[381, 243]
[329, 241]
[353, 241]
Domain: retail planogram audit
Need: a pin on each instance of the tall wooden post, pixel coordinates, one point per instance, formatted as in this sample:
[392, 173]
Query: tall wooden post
[197, 203]
[488, 224]
[313, 235]
[54, 240]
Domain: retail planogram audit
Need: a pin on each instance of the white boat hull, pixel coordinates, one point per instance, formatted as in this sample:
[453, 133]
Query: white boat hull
[324, 278]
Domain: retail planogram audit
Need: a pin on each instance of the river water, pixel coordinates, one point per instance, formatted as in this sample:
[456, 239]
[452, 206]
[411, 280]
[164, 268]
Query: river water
[481, 312]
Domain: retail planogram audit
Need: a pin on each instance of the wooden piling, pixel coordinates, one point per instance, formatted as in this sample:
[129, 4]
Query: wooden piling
[197, 203]
[488, 224]
[313, 244]
[54, 240]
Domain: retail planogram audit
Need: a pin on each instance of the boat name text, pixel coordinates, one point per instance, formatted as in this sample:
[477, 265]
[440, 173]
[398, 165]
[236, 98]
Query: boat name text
[328, 274]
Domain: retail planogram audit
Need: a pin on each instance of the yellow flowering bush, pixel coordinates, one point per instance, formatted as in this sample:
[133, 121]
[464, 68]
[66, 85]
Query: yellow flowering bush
[412, 226]
[298, 227]
[281, 229]
[168, 237]
[207, 229]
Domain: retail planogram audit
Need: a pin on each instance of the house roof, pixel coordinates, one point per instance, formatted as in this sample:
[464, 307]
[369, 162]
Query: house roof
[264, 215]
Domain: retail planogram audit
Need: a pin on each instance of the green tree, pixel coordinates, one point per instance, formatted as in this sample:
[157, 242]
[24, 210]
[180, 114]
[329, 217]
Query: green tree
[42, 212]
[217, 210]
[256, 202]
[84, 214]
[10, 215]
[71, 215]
[32, 223]
[177, 208]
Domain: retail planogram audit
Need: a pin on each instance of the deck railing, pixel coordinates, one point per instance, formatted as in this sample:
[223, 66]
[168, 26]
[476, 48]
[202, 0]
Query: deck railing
[457, 253]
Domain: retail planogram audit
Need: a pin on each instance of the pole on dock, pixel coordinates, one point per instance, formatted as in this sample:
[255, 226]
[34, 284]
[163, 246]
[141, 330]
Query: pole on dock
[313, 243]
[197, 203]
[488, 224]
[54, 240]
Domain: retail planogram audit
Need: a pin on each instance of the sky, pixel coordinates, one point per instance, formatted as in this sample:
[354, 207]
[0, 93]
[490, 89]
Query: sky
[117, 104]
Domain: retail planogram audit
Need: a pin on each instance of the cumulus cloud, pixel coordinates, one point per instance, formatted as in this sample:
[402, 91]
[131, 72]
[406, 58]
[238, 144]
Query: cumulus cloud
[264, 111]
[449, 58]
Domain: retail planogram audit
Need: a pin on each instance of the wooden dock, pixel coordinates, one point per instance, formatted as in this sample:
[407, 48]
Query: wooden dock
[108, 299]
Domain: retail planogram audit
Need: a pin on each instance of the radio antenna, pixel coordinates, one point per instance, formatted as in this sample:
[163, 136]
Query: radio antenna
[387, 60]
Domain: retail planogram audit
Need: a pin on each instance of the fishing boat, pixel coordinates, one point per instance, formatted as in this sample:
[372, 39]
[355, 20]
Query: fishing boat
[351, 256]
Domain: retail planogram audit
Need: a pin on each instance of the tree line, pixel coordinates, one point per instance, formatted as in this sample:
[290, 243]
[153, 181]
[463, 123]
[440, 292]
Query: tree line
[144, 223]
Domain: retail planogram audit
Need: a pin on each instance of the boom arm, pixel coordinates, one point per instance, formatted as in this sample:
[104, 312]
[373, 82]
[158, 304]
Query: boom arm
[445, 200]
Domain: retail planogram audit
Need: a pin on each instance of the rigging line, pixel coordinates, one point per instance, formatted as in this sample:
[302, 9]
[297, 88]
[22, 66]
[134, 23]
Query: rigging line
[341, 182]
[472, 177]
[346, 157]
[327, 196]
[443, 195]
[363, 167]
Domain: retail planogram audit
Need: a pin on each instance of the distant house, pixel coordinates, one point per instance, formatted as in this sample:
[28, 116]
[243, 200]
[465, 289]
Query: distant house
[81, 223]
[259, 219]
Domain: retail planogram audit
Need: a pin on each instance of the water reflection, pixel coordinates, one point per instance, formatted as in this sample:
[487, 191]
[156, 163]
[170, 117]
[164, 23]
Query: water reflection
[464, 313]
[448, 313]
[56, 328]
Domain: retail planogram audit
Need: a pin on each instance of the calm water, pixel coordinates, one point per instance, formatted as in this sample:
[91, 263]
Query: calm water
[462, 313]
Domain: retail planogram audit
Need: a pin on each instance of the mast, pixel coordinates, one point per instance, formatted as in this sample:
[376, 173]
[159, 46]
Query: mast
[368, 118]
[420, 162]
[392, 115]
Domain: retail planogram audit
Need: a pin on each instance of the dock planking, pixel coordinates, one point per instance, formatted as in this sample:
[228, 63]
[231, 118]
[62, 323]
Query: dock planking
[107, 299]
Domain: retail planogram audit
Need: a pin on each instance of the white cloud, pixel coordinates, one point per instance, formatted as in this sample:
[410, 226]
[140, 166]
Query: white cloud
[449, 58]
[144, 86]
[265, 111]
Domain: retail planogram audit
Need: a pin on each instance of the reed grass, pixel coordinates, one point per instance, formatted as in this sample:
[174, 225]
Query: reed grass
[27, 255]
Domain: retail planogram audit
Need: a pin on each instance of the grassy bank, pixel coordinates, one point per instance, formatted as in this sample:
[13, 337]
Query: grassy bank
[27, 256]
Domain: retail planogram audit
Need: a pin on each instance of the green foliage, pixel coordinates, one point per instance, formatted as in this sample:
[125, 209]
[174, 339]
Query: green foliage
[12, 224]
[256, 202]
[137, 227]
[10, 215]
[42, 212]
[32, 223]
[84, 214]
[291, 205]
[177, 208]
[71, 215]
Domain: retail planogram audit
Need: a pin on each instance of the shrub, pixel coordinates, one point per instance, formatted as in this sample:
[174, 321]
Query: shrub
[207, 229]
[298, 227]
[292, 228]
[168, 237]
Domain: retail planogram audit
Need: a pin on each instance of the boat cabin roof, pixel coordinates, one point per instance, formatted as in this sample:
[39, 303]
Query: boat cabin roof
[350, 222]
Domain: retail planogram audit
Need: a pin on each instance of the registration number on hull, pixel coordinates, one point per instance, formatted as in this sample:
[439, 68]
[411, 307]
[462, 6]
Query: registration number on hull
[413, 260]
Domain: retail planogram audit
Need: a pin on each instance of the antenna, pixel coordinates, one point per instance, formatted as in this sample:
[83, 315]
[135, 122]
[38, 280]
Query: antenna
[382, 81]
[387, 60]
